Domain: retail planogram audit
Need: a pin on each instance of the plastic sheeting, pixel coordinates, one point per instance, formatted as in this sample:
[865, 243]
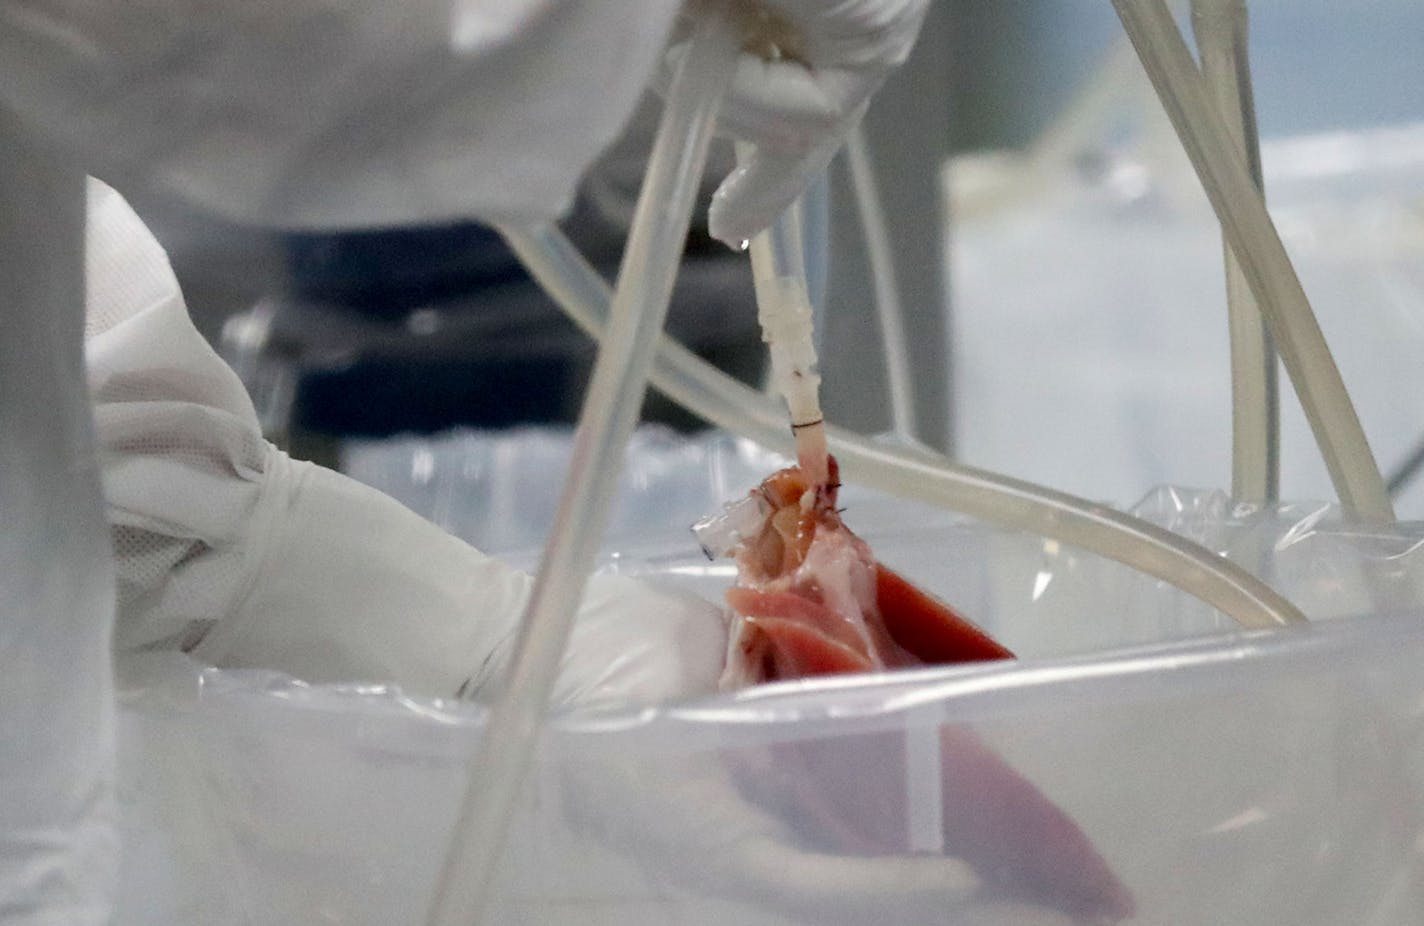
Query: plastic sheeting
[1233, 777]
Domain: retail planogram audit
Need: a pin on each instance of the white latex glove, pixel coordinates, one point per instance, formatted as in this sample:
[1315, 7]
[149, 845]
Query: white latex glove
[229, 549]
[335, 113]
[798, 112]
[688, 822]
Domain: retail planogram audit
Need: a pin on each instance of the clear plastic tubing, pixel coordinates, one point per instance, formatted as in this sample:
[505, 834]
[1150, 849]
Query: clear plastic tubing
[816, 235]
[909, 472]
[784, 312]
[1252, 236]
[58, 849]
[888, 308]
[1221, 29]
[610, 412]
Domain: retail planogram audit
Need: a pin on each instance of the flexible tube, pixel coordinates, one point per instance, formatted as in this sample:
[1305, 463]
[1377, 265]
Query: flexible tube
[783, 250]
[610, 412]
[910, 472]
[888, 307]
[816, 234]
[784, 313]
[1252, 235]
[1221, 29]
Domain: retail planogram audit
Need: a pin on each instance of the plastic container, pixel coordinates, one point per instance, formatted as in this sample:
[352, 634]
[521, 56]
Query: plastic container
[1227, 777]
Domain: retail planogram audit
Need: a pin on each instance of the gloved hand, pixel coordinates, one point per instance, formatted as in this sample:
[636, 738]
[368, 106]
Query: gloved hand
[320, 114]
[797, 111]
[688, 822]
[228, 549]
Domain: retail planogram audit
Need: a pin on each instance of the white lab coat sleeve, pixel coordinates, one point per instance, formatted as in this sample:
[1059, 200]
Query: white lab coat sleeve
[321, 114]
[229, 549]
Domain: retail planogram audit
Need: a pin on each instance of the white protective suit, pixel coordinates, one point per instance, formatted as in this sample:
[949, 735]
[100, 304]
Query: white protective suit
[231, 550]
[361, 113]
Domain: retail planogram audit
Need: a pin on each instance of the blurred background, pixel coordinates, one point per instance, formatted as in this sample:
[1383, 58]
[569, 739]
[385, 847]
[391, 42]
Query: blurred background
[1065, 310]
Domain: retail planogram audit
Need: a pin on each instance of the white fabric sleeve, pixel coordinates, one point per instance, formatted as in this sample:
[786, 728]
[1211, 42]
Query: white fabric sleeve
[322, 114]
[229, 549]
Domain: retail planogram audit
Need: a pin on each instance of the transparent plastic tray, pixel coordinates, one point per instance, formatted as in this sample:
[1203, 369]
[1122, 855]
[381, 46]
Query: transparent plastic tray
[1226, 777]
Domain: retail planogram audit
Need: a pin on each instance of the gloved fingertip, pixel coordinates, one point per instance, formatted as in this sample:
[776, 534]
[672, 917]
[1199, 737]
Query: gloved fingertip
[747, 202]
